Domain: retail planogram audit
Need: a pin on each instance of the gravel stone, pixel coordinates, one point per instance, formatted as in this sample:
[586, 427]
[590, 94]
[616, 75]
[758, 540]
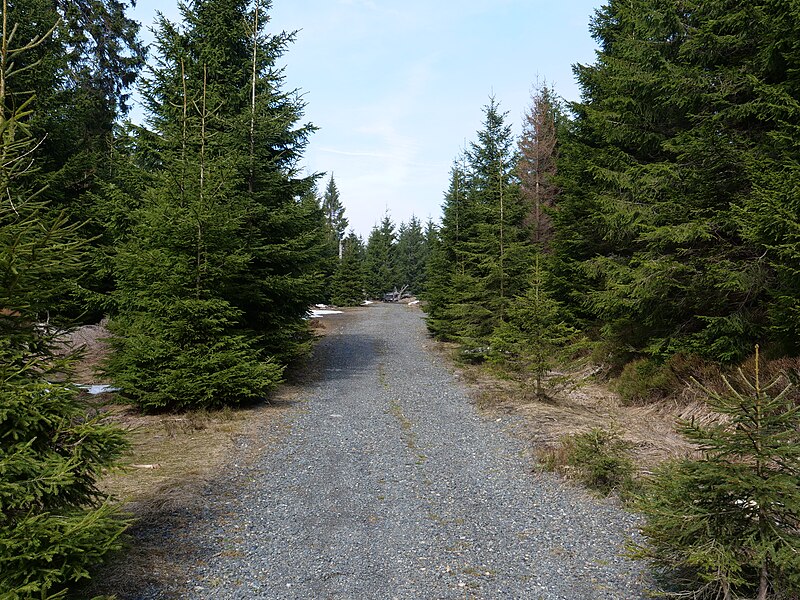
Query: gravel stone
[391, 485]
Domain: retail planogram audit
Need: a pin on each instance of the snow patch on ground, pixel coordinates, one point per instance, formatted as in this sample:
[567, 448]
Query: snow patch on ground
[317, 313]
[98, 389]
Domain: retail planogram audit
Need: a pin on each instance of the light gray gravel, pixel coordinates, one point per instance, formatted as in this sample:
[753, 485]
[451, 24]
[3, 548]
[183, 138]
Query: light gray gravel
[389, 484]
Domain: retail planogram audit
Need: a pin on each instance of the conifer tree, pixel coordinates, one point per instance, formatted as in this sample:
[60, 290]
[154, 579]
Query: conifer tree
[484, 250]
[234, 246]
[431, 241]
[535, 331]
[446, 262]
[285, 234]
[410, 255]
[727, 525]
[334, 214]
[347, 284]
[83, 80]
[497, 245]
[536, 168]
[651, 205]
[380, 261]
[54, 522]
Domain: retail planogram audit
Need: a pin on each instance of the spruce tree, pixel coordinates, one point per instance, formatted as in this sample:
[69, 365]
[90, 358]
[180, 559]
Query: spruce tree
[380, 260]
[410, 255]
[727, 525]
[54, 522]
[347, 284]
[430, 242]
[285, 233]
[189, 332]
[769, 215]
[535, 332]
[677, 127]
[484, 251]
[536, 168]
[497, 246]
[83, 81]
[446, 259]
[334, 215]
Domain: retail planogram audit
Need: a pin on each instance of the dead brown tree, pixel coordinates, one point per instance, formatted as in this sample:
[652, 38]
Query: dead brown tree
[538, 148]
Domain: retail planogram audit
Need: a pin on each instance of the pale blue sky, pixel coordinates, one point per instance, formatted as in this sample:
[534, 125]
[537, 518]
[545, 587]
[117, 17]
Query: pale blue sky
[397, 88]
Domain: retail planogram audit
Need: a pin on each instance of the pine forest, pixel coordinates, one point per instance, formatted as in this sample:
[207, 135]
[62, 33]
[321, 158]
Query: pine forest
[650, 229]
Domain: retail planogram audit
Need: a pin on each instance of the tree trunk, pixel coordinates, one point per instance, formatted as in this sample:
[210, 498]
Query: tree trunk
[763, 585]
[253, 80]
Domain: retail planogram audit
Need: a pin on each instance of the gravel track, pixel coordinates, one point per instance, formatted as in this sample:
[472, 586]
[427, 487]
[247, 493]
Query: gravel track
[389, 484]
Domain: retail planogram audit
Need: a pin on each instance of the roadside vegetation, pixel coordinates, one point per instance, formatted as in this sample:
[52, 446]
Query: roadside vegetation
[628, 246]
[605, 273]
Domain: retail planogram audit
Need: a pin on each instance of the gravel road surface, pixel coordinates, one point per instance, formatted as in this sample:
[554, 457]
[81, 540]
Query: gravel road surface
[389, 484]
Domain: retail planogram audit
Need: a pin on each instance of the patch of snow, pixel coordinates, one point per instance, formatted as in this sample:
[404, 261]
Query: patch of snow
[367, 302]
[98, 389]
[413, 302]
[315, 314]
[321, 305]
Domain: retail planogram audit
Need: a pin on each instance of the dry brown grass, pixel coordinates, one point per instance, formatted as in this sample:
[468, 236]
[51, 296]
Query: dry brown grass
[580, 403]
[162, 483]
[168, 448]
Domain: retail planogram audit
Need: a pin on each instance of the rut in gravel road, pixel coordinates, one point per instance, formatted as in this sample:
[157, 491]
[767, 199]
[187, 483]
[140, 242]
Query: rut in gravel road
[389, 484]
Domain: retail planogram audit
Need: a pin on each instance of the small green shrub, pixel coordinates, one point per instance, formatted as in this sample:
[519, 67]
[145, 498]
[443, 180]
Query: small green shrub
[597, 458]
[600, 457]
[646, 380]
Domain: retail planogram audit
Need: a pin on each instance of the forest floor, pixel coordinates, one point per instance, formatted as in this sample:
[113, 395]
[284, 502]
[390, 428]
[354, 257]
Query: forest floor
[383, 471]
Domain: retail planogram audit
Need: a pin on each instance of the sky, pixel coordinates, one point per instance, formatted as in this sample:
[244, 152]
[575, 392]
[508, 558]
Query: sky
[397, 89]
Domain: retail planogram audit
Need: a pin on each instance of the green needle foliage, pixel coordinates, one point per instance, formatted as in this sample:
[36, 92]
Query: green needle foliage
[380, 260]
[728, 525]
[535, 333]
[347, 283]
[411, 255]
[54, 522]
[228, 247]
[483, 255]
[334, 216]
[602, 460]
[676, 225]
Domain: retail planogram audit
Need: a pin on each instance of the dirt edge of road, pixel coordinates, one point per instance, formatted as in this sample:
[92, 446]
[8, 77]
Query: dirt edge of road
[583, 403]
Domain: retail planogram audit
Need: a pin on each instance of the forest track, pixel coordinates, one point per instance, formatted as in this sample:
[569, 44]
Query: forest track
[386, 482]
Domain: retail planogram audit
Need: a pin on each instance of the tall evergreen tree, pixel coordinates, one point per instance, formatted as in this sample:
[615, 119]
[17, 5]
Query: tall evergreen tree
[678, 115]
[769, 215]
[536, 168]
[83, 79]
[234, 244]
[334, 214]
[54, 522]
[484, 246]
[446, 262]
[410, 255]
[431, 241]
[347, 284]
[380, 261]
